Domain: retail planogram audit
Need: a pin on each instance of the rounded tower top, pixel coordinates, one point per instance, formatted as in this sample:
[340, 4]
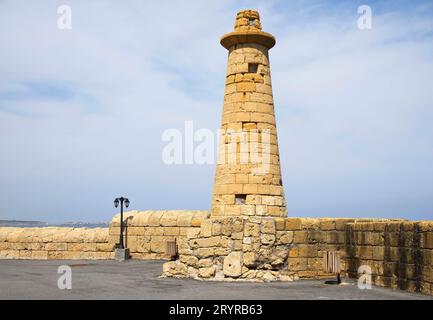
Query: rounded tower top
[248, 20]
[248, 29]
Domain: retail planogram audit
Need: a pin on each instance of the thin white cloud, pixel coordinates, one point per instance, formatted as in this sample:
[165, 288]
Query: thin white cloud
[353, 107]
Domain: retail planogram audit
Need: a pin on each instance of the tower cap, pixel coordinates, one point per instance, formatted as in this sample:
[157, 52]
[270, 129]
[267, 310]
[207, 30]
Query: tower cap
[248, 29]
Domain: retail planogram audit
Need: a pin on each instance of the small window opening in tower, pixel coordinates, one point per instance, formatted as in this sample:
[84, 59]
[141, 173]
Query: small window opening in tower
[251, 21]
[253, 67]
[240, 198]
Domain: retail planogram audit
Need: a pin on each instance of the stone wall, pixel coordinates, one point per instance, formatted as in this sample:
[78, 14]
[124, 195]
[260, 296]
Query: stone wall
[145, 234]
[259, 248]
[286, 249]
[400, 254]
[55, 243]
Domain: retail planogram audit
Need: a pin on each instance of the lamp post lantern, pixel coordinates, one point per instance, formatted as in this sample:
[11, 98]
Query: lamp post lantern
[121, 252]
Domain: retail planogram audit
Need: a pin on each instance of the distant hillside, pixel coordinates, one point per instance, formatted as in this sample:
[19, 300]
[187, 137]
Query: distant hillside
[23, 224]
[39, 224]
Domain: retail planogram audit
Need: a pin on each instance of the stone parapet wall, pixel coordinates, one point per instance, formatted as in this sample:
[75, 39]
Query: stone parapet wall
[54, 243]
[260, 248]
[147, 232]
[400, 254]
[312, 237]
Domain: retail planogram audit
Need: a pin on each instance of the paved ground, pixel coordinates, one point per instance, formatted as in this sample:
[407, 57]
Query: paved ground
[29, 279]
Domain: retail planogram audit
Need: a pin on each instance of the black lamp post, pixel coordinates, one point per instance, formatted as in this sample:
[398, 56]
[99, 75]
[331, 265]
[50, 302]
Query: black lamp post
[122, 201]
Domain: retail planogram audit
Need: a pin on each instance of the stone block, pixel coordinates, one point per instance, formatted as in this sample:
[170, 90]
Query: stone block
[280, 224]
[378, 253]
[192, 233]
[221, 251]
[427, 240]
[216, 229]
[297, 264]
[56, 246]
[196, 222]
[293, 224]
[248, 210]
[251, 230]
[253, 199]
[174, 268]
[170, 231]
[157, 246]
[340, 224]
[268, 226]
[207, 272]
[205, 263]
[327, 224]
[249, 259]
[185, 219]
[168, 219]
[294, 252]
[153, 231]
[309, 251]
[206, 228]
[267, 239]
[155, 218]
[39, 255]
[189, 260]
[204, 252]
[237, 225]
[300, 237]
[336, 237]
[232, 266]
[285, 237]
[24, 254]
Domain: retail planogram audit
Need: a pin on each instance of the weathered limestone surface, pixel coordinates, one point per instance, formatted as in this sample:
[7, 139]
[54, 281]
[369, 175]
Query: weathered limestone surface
[248, 176]
[145, 234]
[55, 243]
[399, 252]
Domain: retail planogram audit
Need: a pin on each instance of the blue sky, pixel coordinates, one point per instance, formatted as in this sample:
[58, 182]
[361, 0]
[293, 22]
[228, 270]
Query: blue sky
[82, 111]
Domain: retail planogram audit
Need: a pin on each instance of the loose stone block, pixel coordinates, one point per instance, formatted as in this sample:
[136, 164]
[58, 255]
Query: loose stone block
[207, 272]
[233, 265]
[189, 260]
[174, 268]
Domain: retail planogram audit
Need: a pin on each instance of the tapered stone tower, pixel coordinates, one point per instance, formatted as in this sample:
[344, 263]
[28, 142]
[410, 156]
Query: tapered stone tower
[248, 175]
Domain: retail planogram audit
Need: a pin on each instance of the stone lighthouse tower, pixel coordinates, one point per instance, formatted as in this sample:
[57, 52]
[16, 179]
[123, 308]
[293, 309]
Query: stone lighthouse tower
[248, 176]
